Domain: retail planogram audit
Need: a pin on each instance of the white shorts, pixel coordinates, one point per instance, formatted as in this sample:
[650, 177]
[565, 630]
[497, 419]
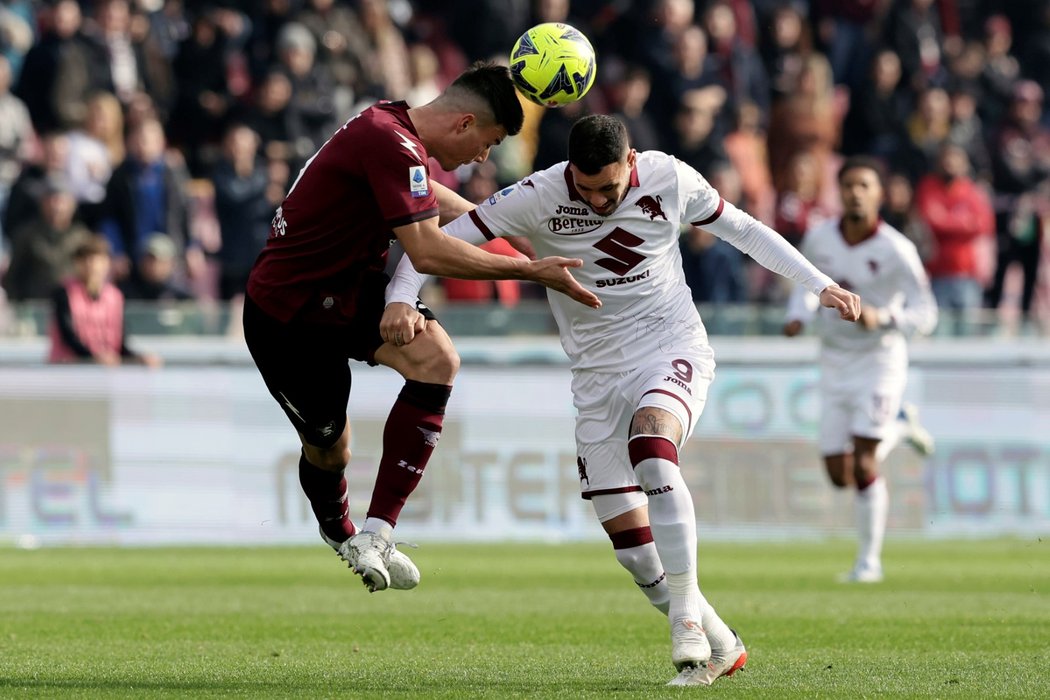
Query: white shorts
[676, 382]
[860, 397]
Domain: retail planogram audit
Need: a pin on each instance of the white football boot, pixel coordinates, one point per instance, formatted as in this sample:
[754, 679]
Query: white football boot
[862, 574]
[689, 645]
[378, 561]
[915, 434]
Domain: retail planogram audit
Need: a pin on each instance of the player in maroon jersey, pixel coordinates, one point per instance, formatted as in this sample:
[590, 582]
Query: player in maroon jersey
[316, 295]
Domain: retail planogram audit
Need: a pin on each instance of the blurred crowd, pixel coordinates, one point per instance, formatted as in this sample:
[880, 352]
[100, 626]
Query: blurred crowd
[173, 128]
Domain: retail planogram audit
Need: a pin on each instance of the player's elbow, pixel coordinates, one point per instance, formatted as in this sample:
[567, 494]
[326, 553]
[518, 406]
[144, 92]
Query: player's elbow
[427, 264]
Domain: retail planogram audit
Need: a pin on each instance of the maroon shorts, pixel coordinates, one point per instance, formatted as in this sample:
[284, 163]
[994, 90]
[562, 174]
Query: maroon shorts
[305, 365]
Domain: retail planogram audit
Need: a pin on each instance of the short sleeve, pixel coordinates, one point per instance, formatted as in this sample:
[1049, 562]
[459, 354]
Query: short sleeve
[512, 211]
[397, 171]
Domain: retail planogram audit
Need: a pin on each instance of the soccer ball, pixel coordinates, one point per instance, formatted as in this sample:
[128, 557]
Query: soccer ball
[553, 64]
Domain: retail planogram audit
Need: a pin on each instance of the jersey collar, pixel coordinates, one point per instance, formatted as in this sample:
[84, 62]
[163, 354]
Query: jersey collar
[867, 237]
[574, 194]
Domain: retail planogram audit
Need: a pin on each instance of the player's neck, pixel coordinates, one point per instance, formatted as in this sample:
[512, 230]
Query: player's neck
[856, 230]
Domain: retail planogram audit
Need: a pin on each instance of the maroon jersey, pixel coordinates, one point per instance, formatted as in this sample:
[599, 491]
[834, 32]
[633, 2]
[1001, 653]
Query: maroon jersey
[335, 225]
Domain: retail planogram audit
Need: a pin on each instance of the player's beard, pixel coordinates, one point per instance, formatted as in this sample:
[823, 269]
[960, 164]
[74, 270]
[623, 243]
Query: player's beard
[856, 216]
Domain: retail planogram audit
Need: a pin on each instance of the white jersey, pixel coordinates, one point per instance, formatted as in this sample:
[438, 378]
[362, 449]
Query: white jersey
[885, 270]
[630, 258]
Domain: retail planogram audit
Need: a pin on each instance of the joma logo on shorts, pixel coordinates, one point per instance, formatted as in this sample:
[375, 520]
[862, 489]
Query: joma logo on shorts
[663, 489]
[678, 382]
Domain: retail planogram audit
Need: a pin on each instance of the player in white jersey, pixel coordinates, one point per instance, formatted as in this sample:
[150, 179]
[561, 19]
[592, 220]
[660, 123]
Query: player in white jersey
[864, 366]
[641, 364]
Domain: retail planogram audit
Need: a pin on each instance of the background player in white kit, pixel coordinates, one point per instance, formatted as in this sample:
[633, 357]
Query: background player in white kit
[864, 366]
[641, 364]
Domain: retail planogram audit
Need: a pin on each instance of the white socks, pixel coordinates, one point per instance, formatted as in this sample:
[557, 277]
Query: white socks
[672, 520]
[873, 505]
[378, 526]
[648, 572]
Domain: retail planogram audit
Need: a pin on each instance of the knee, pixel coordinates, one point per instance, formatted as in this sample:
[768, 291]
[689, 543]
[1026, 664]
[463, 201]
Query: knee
[447, 364]
[839, 481]
[439, 365]
[333, 459]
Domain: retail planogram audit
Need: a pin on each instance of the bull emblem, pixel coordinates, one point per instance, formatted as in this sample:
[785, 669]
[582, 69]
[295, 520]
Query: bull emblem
[651, 206]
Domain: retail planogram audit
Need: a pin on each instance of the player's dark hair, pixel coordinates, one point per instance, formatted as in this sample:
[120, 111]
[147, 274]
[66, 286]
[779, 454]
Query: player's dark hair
[863, 163]
[493, 84]
[596, 141]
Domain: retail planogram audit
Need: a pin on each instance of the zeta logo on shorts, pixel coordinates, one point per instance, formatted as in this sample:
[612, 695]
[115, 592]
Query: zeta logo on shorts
[417, 181]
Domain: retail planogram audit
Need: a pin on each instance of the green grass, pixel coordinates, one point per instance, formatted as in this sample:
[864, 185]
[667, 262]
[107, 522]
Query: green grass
[953, 620]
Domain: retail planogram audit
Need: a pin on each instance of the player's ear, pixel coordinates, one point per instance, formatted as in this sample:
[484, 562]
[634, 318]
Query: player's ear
[631, 158]
[465, 122]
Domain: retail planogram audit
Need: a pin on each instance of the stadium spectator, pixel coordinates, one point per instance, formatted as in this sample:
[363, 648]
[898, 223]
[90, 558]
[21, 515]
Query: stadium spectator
[928, 127]
[1036, 52]
[628, 98]
[23, 202]
[785, 49]
[900, 212]
[94, 151]
[387, 56]
[863, 367]
[655, 37]
[694, 126]
[246, 197]
[202, 91]
[808, 120]
[424, 74]
[42, 249]
[311, 109]
[844, 32]
[641, 363]
[746, 147]
[689, 71]
[110, 36]
[342, 46]
[913, 31]
[967, 130]
[61, 70]
[315, 298]
[553, 131]
[146, 194]
[960, 217]
[1021, 174]
[486, 29]
[737, 66]
[270, 116]
[1000, 71]
[17, 25]
[799, 202]
[157, 79]
[874, 124]
[16, 135]
[157, 270]
[88, 317]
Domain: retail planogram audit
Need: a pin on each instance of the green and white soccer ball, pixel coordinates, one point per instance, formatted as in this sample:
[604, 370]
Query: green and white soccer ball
[553, 64]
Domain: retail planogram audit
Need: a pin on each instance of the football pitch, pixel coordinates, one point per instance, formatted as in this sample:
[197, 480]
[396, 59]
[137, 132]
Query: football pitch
[953, 620]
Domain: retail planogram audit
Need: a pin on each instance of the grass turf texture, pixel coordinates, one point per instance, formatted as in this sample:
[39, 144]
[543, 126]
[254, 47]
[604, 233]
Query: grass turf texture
[953, 620]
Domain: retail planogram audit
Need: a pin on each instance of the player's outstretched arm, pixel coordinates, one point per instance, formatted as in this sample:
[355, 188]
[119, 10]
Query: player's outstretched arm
[450, 204]
[845, 302]
[434, 253]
